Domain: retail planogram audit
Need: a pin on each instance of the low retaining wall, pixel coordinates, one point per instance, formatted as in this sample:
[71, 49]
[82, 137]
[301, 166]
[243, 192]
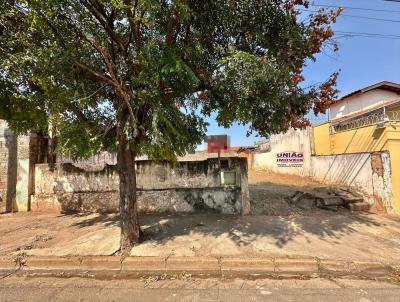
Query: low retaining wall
[162, 187]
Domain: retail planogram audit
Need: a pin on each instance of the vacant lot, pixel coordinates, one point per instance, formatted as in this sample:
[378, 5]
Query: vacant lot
[269, 193]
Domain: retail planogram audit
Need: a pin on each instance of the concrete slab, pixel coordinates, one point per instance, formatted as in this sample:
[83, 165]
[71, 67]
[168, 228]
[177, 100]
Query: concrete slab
[363, 237]
[51, 234]
[103, 242]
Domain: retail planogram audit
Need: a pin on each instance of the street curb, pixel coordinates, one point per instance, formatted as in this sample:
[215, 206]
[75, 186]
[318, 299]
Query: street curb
[103, 267]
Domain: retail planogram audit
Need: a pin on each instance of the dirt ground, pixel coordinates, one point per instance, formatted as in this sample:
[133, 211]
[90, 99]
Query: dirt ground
[269, 193]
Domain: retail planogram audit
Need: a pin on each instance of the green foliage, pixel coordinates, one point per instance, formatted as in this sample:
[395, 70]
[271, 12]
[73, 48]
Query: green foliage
[114, 72]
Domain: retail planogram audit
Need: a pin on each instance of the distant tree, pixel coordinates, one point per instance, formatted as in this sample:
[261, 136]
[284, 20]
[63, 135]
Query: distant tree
[131, 75]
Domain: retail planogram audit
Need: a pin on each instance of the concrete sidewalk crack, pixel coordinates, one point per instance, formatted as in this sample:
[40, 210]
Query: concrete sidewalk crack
[165, 261]
[220, 266]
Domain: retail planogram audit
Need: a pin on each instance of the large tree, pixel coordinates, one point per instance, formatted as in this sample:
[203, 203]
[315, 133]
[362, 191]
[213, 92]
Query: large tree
[138, 76]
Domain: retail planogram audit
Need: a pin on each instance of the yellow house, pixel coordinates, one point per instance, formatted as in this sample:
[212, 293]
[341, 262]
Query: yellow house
[366, 120]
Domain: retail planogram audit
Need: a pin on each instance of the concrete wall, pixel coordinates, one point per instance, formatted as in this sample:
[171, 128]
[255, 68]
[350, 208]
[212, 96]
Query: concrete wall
[162, 187]
[8, 165]
[17, 156]
[293, 140]
[366, 172]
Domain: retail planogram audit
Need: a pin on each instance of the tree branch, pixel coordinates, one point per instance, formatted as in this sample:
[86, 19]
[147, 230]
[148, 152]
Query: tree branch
[100, 18]
[105, 57]
[169, 37]
[134, 24]
[95, 74]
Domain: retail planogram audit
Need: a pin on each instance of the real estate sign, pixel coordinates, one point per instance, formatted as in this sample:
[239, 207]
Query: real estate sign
[290, 159]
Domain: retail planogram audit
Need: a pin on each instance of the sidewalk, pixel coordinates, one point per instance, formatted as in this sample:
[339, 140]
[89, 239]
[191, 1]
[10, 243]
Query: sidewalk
[364, 245]
[346, 237]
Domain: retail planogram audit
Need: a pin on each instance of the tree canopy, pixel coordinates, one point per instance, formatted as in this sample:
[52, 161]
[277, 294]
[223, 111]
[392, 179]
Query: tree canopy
[161, 62]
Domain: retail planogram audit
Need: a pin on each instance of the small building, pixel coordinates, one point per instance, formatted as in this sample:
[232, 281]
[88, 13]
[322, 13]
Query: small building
[365, 101]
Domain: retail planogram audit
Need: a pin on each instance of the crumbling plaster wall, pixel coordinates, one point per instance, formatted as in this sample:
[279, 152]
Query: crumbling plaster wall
[8, 166]
[367, 173]
[162, 187]
[3, 161]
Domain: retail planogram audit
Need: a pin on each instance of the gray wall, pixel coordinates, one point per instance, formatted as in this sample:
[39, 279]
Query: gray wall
[162, 187]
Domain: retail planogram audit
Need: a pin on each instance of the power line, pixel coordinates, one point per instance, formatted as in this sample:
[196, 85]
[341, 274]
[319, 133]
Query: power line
[362, 36]
[357, 8]
[355, 16]
[370, 18]
[367, 35]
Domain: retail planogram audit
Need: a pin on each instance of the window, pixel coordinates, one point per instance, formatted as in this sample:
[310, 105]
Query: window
[228, 178]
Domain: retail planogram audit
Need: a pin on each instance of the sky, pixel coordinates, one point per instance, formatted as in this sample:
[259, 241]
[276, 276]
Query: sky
[362, 61]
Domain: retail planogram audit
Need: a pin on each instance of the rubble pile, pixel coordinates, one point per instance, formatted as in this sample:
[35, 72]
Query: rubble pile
[329, 199]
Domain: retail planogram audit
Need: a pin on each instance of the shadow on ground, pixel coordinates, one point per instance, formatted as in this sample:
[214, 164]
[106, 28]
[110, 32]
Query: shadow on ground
[102, 218]
[246, 230]
[325, 235]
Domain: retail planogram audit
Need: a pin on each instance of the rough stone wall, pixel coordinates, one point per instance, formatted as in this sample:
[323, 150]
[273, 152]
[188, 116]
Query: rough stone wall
[162, 187]
[94, 163]
[17, 157]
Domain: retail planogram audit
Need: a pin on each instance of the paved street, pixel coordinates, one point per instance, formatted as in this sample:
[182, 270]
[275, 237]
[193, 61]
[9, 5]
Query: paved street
[76, 289]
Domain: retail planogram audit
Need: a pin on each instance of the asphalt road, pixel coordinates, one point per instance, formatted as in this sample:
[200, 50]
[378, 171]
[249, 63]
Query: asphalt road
[76, 289]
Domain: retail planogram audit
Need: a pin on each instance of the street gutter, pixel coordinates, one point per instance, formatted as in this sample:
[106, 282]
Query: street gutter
[111, 267]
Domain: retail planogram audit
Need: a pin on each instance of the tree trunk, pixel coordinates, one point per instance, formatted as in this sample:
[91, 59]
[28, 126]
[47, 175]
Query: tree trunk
[130, 228]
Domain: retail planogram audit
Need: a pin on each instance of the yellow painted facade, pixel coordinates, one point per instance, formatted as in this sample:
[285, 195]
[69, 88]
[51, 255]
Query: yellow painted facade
[394, 151]
[322, 139]
[364, 139]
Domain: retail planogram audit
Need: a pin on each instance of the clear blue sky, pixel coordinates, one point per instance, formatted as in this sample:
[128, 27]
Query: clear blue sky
[362, 60]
